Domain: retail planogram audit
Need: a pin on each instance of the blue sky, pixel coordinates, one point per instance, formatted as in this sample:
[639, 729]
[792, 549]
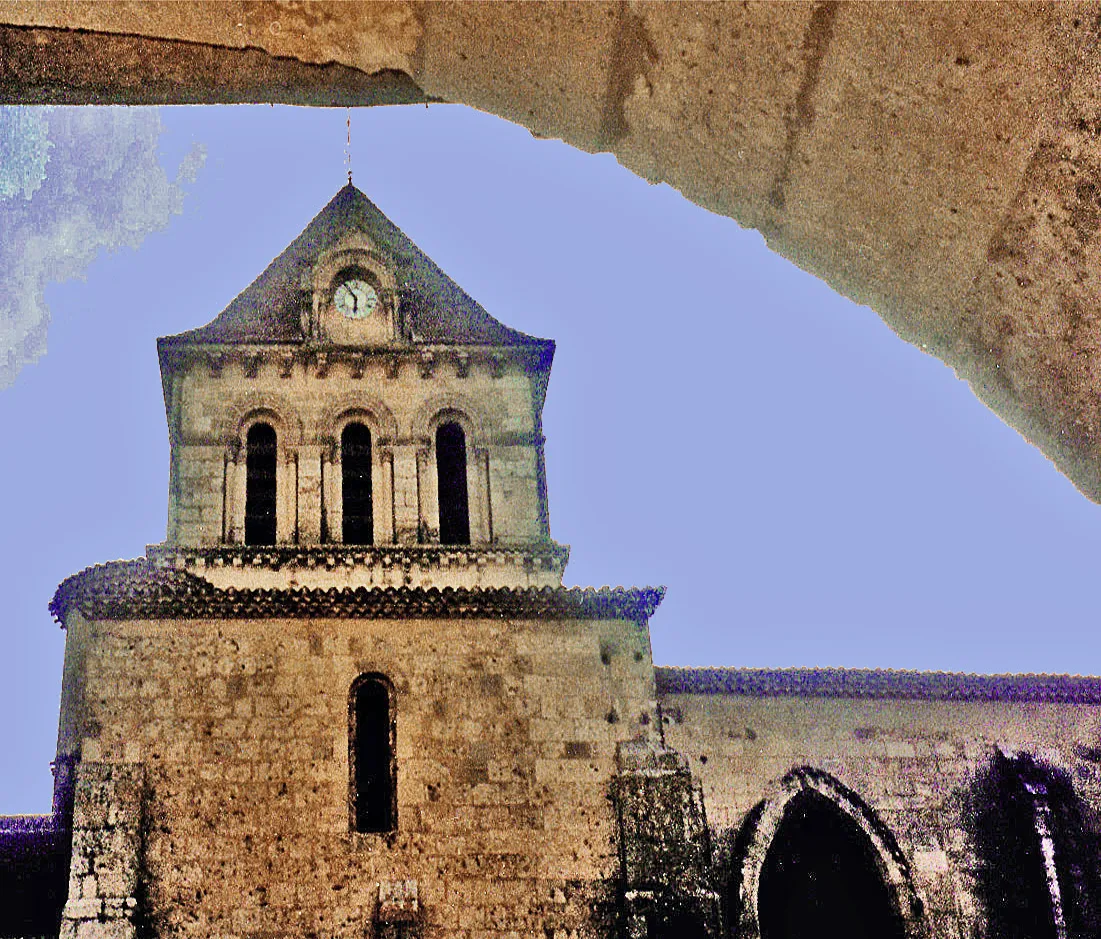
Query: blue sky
[811, 490]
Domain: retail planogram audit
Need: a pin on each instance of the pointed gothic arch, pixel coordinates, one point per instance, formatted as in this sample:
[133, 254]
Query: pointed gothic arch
[814, 828]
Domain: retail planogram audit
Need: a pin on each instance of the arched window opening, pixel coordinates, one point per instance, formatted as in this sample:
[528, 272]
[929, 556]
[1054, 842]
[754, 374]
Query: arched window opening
[451, 476]
[1037, 876]
[821, 877]
[372, 756]
[260, 485]
[355, 462]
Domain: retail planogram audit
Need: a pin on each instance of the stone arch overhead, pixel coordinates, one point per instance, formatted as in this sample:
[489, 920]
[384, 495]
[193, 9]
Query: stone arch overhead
[253, 407]
[358, 406]
[442, 408]
[952, 254]
[760, 828]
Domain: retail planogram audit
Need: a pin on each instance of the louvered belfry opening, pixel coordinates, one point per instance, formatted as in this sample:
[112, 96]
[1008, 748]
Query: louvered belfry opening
[355, 462]
[260, 461]
[821, 877]
[451, 477]
[372, 757]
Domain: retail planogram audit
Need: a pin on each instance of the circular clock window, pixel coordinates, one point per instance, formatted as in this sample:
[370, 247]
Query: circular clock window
[355, 298]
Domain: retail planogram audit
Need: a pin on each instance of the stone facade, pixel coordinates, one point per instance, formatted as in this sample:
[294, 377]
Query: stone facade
[528, 771]
[904, 769]
[506, 734]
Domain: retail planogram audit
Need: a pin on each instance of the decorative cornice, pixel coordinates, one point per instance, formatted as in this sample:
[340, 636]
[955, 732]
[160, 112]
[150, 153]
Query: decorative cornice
[285, 355]
[882, 684]
[546, 556]
[143, 590]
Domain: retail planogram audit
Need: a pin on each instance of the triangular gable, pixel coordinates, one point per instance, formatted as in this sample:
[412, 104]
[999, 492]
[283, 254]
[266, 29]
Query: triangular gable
[434, 308]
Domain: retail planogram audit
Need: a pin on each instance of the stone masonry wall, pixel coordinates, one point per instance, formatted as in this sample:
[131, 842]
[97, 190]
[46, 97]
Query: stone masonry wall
[106, 853]
[915, 764]
[306, 404]
[505, 745]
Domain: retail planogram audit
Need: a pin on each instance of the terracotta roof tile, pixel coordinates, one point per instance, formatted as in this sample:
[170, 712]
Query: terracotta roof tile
[878, 683]
[141, 590]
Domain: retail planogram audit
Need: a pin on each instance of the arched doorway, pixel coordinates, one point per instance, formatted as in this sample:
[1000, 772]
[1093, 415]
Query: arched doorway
[814, 860]
[821, 877]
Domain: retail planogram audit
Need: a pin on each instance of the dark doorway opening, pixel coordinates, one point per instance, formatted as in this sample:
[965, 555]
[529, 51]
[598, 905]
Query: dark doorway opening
[821, 878]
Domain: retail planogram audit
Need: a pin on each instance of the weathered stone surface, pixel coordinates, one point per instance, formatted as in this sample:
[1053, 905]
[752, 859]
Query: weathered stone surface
[905, 770]
[290, 748]
[936, 162]
[504, 750]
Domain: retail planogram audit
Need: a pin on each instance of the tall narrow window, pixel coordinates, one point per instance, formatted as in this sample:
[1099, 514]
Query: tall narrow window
[451, 476]
[260, 485]
[355, 461]
[372, 755]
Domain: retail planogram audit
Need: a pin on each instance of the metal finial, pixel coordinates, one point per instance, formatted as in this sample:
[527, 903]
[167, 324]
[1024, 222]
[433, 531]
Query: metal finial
[348, 147]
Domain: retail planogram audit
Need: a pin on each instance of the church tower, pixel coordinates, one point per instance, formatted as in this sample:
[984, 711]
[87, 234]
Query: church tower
[349, 696]
[355, 418]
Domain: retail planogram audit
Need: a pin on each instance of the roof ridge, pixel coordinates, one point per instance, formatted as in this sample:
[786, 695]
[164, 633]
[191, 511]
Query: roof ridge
[898, 684]
[886, 670]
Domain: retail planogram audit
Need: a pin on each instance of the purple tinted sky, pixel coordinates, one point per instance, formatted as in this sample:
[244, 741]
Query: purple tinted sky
[811, 489]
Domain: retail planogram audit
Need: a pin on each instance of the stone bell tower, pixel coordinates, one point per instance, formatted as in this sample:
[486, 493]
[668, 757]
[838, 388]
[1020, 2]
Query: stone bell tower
[354, 398]
[349, 695]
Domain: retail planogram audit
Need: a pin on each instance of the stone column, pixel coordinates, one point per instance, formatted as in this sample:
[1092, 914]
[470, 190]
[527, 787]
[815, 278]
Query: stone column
[477, 489]
[382, 496]
[332, 495]
[309, 495]
[406, 494]
[504, 510]
[235, 496]
[286, 497]
[429, 509]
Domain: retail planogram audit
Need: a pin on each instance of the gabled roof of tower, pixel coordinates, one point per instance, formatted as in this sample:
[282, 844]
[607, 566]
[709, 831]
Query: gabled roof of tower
[434, 309]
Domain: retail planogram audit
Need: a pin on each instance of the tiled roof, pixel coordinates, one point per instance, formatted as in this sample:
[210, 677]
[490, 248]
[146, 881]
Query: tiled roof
[433, 307]
[141, 590]
[878, 683]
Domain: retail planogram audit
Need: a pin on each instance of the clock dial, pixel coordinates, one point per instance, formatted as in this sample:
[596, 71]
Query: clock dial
[355, 298]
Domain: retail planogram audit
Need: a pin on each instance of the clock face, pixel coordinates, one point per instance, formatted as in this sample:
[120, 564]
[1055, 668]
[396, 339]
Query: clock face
[355, 298]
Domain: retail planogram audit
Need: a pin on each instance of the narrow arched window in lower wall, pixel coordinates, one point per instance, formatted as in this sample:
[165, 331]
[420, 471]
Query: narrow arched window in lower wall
[821, 877]
[260, 462]
[451, 480]
[371, 755]
[1037, 875]
[355, 462]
